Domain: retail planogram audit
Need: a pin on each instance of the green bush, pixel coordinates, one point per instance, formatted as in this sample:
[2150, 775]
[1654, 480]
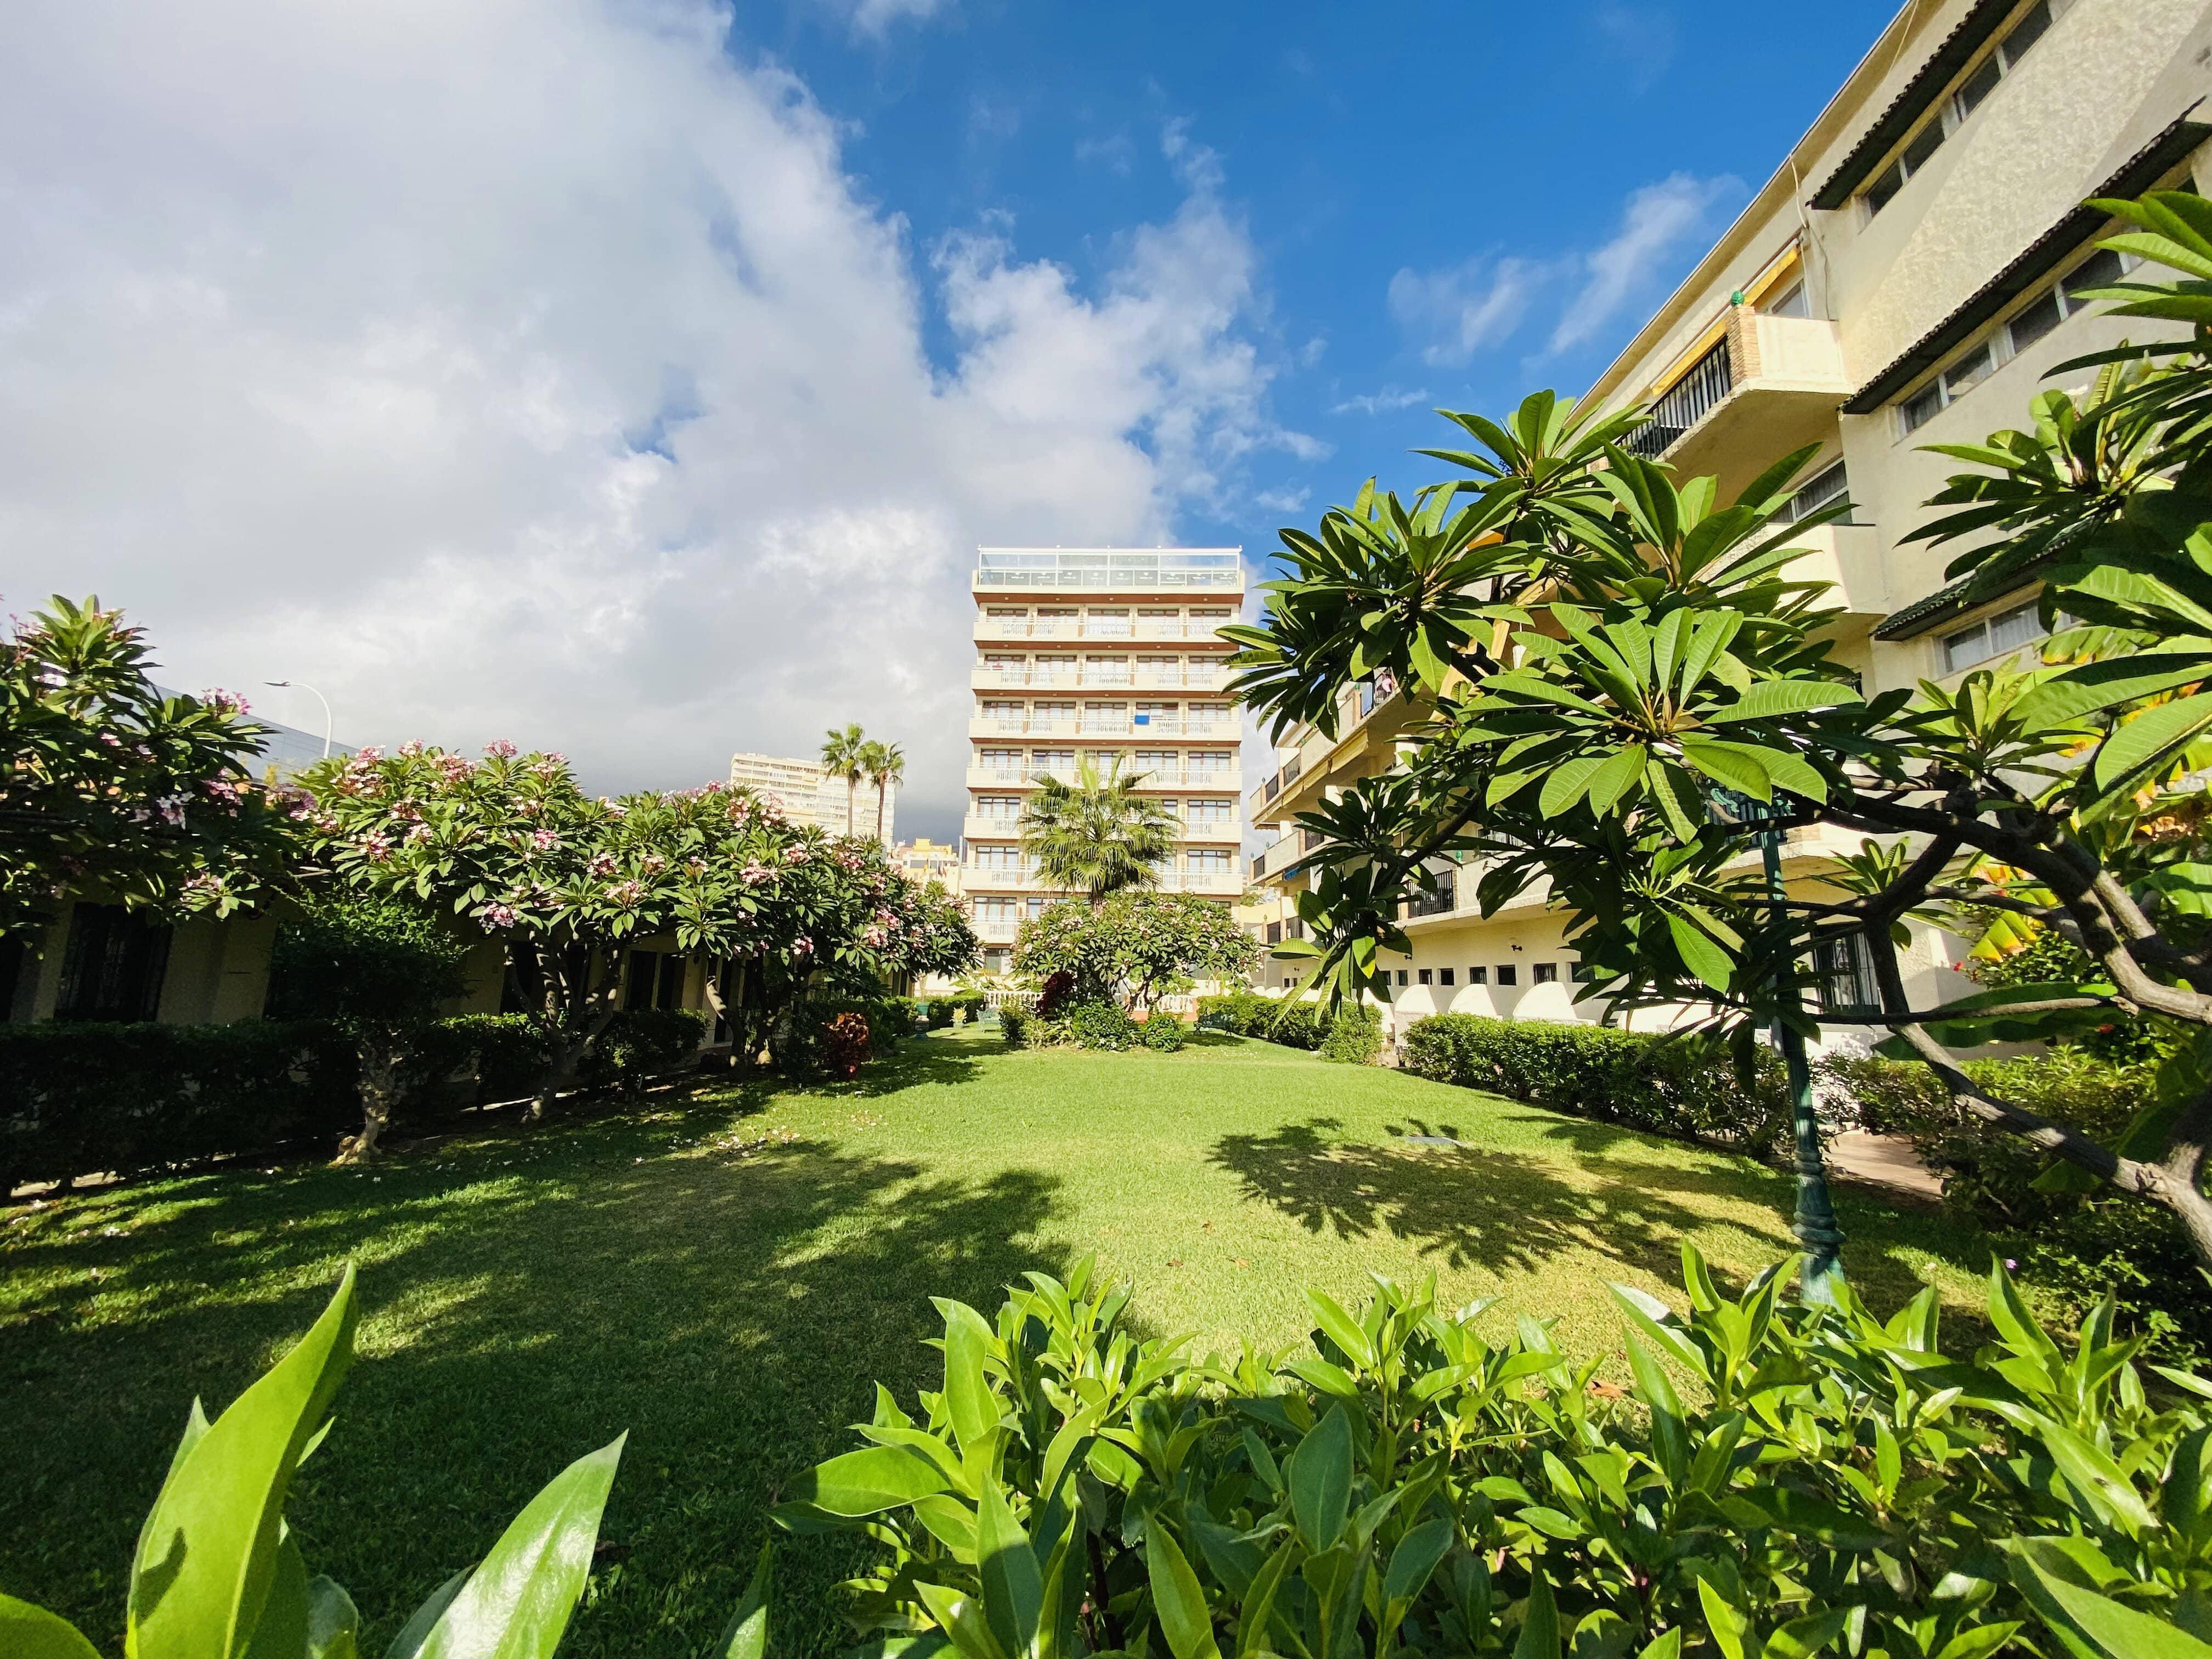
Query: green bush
[1287, 1020]
[2074, 1245]
[639, 1043]
[510, 1050]
[1355, 1036]
[1829, 1481]
[1090, 1023]
[1161, 1033]
[1015, 1023]
[1668, 1086]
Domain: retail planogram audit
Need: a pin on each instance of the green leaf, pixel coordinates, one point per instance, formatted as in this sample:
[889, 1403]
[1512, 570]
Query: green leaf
[1539, 1627]
[1260, 1601]
[1668, 1644]
[207, 1554]
[1341, 1327]
[2120, 1630]
[2144, 741]
[1979, 1642]
[32, 1632]
[969, 1400]
[1670, 1435]
[1772, 698]
[1800, 1638]
[871, 1480]
[517, 1603]
[1700, 955]
[958, 1618]
[1618, 773]
[1415, 1560]
[745, 1636]
[333, 1621]
[1178, 1600]
[1013, 1585]
[1321, 1480]
[2096, 1477]
[1565, 785]
[1728, 1624]
[1739, 766]
[408, 1642]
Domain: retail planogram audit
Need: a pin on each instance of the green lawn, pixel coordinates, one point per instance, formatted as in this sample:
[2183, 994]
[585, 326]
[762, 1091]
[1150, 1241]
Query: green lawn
[725, 1278]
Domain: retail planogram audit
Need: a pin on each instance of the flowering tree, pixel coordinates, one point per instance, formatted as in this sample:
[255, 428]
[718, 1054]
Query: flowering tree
[1143, 945]
[566, 881]
[111, 789]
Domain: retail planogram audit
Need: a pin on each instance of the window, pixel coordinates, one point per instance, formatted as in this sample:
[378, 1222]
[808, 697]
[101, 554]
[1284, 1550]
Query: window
[997, 961]
[1826, 486]
[1444, 975]
[1845, 968]
[1547, 973]
[1426, 977]
[1008, 807]
[998, 857]
[112, 966]
[1508, 974]
[1790, 302]
[2050, 308]
[1210, 811]
[1991, 637]
[1207, 860]
[1401, 976]
[1978, 84]
[1585, 974]
[1058, 762]
[1478, 977]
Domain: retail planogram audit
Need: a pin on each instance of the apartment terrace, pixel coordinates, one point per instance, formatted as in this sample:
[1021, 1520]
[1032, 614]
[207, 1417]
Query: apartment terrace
[989, 826]
[1227, 781]
[983, 879]
[1108, 570]
[1141, 727]
[999, 676]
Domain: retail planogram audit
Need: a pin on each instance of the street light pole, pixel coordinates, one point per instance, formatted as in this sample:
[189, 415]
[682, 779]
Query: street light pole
[1815, 1224]
[320, 698]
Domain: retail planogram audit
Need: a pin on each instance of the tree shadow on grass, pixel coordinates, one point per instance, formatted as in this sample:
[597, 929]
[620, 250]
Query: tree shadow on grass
[728, 1298]
[1470, 1206]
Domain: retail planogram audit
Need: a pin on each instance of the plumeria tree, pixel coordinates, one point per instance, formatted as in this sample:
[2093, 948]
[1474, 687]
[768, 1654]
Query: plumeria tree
[1624, 692]
[566, 881]
[111, 789]
[1140, 946]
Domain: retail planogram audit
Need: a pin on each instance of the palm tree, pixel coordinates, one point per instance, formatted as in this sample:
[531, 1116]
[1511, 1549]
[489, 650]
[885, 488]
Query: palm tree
[1097, 835]
[885, 764]
[843, 756]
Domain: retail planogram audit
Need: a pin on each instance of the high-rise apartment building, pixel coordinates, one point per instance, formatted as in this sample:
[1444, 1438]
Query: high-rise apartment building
[1907, 277]
[1112, 653]
[809, 795]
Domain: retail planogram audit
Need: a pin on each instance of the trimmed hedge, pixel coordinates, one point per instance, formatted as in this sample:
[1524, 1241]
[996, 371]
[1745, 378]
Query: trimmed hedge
[1161, 1033]
[1087, 1024]
[1355, 1034]
[1640, 1079]
[78, 1095]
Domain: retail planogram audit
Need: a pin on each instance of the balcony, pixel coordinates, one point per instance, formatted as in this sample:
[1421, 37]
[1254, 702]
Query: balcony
[1020, 725]
[980, 827]
[1141, 629]
[1771, 384]
[1441, 903]
[1210, 830]
[984, 879]
[1847, 556]
[1109, 570]
[1226, 782]
[996, 677]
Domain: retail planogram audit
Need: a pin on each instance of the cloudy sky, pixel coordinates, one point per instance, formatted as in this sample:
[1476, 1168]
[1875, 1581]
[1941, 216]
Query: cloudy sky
[636, 377]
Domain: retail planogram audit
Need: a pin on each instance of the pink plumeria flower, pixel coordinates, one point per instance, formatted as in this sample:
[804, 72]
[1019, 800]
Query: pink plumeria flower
[500, 749]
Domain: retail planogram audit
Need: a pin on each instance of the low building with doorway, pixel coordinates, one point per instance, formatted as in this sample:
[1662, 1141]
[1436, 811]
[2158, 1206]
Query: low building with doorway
[1907, 275]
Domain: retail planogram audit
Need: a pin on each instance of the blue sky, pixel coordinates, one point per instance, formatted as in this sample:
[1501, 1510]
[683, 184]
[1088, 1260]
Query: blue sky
[1432, 189]
[635, 378]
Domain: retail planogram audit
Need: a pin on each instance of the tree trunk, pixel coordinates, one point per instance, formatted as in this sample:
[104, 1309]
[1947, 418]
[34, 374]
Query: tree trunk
[382, 1054]
[579, 988]
[852, 804]
[882, 786]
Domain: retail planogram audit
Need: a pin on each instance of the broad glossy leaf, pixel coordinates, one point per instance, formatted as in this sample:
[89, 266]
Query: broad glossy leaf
[871, 1480]
[1006, 1565]
[745, 1636]
[1415, 1560]
[1770, 698]
[516, 1604]
[1177, 1598]
[2120, 1630]
[2144, 740]
[1540, 1629]
[1700, 955]
[207, 1554]
[1321, 1480]
[408, 1642]
[32, 1632]
[1800, 1638]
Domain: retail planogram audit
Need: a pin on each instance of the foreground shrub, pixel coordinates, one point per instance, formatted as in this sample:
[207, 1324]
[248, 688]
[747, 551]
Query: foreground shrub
[77, 1096]
[2074, 1243]
[845, 1045]
[1014, 1024]
[1354, 1036]
[1162, 1033]
[219, 1571]
[1831, 1482]
[1668, 1087]
[1287, 1020]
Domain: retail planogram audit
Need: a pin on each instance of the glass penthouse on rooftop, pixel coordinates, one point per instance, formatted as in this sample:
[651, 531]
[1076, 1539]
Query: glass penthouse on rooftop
[1109, 570]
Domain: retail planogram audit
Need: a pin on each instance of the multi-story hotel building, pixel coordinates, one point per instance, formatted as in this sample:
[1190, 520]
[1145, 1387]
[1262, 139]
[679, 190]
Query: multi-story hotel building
[1906, 276]
[1112, 653]
[811, 795]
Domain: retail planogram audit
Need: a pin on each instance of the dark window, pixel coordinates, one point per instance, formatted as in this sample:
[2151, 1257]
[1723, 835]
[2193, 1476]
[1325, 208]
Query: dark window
[2038, 320]
[1444, 975]
[2026, 32]
[1401, 976]
[2101, 270]
[1923, 406]
[1980, 84]
[1891, 180]
[1969, 371]
[1478, 977]
[1917, 153]
[1845, 969]
[1547, 973]
[640, 974]
[112, 966]
[1790, 302]
[1585, 974]
[1508, 974]
[670, 993]
[1274, 933]
[1425, 975]
[1828, 485]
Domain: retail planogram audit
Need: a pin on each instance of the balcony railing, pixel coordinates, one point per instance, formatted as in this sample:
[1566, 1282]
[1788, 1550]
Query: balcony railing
[1226, 782]
[994, 878]
[1688, 401]
[1066, 628]
[1438, 903]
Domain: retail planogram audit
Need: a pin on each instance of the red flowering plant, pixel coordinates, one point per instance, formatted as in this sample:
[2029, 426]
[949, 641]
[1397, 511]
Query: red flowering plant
[111, 789]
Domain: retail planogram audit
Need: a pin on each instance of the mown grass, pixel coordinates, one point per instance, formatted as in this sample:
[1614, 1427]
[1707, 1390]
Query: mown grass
[727, 1277]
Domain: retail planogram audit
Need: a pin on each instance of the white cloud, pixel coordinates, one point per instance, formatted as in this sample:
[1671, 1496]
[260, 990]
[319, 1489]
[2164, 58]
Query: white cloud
[1642, 37]
[1282, 501]
[520, 368]
[1114, 152]
[1657, 220]
[1389, 399]
[877, 17]
[1459, 311]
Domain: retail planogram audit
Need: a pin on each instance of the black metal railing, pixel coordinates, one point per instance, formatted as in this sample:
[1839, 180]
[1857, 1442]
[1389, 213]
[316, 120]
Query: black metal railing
[1438, 903]
[1688, 401]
